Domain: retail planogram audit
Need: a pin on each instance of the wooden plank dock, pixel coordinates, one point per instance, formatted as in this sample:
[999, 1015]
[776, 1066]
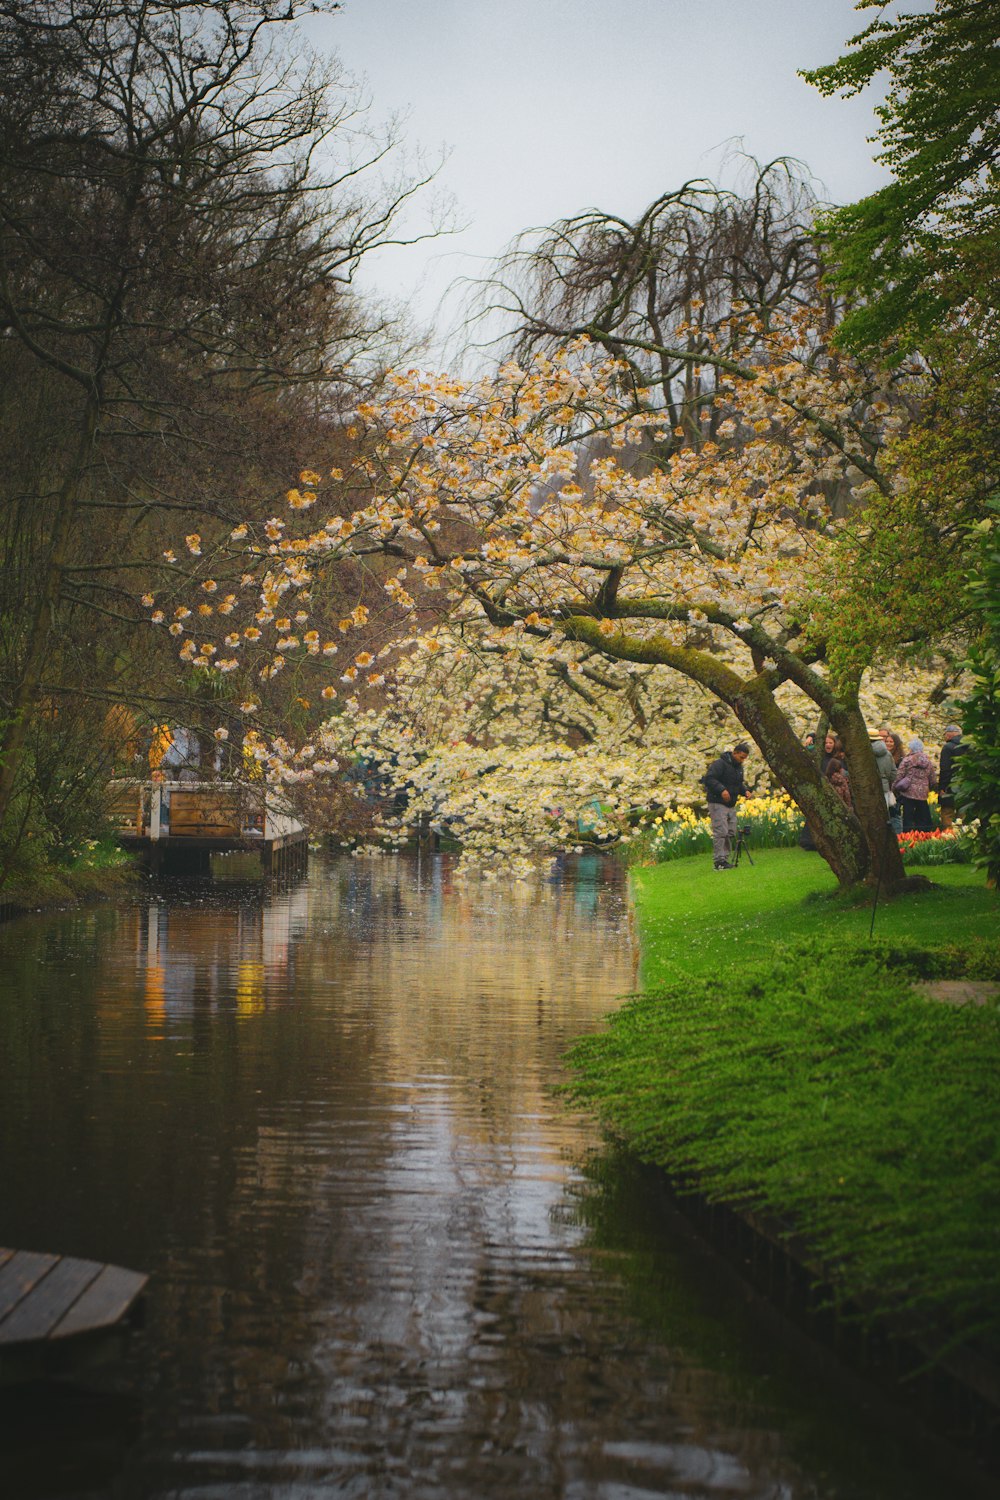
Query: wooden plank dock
[181, 826]
[48, 1301]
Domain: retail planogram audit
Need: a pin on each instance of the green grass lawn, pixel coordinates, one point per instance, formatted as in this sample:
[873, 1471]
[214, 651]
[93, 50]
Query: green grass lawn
[779, 1060]
[693, 920]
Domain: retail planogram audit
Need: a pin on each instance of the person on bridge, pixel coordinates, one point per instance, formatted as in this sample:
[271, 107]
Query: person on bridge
[724, 786]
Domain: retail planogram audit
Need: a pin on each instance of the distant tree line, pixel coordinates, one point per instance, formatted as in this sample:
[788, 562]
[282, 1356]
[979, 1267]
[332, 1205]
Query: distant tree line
[185, 198]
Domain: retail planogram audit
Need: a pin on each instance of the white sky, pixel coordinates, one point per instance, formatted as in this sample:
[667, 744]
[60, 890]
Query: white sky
[551, 106]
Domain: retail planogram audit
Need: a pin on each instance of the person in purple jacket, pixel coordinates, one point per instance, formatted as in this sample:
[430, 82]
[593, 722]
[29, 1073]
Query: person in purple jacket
[916, 775]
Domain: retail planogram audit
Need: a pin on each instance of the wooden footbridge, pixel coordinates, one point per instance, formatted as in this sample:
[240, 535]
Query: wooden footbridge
[54, 1306]
[185, 825]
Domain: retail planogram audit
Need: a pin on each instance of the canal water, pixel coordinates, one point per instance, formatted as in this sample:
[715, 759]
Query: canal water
[386, 1260]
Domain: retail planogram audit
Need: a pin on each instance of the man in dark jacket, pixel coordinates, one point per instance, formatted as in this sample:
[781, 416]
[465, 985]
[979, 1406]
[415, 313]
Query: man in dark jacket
[950, 750]
[724, 785]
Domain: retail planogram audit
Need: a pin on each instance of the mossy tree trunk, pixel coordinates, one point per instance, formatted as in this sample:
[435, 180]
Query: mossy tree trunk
[839, 836]
[885, 859]
[854, 844]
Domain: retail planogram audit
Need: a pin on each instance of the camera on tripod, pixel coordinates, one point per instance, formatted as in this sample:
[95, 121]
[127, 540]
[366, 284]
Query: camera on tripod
[741, 847]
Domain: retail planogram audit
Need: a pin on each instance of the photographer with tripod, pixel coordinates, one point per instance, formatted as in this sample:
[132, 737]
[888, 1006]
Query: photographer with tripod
[724, 786]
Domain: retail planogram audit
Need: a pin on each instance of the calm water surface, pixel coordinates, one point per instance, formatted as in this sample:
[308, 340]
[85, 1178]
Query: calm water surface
[385, 1260]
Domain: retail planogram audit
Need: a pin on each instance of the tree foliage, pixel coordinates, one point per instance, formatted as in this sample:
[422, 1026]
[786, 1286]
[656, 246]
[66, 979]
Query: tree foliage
[710, 564]
[895, 250]
[978, 769]
[185, 196]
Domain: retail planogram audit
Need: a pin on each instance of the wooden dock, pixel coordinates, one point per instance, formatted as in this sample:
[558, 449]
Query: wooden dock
[48, 1302]
[186, 826]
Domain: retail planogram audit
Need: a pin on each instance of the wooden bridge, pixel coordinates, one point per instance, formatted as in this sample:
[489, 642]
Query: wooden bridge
[52, 1305]
[188, 825]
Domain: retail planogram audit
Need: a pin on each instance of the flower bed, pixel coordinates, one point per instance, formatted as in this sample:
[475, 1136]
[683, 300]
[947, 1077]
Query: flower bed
[771, 822]
[940, 846]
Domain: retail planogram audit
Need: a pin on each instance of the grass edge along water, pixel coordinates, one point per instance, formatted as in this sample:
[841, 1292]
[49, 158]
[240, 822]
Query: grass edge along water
[779, 1061]
[843, 1103]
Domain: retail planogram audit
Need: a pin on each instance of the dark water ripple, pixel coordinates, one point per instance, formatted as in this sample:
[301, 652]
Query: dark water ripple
[385, 1260]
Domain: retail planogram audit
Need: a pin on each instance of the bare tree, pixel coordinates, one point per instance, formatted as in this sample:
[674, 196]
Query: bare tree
[185, 197]
[658, 292]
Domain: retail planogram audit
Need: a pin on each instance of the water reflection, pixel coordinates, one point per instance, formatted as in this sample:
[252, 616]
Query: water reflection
[325, 1123]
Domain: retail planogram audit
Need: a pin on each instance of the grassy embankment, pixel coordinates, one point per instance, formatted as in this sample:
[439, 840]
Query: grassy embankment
[100, 868]
[781, 1062]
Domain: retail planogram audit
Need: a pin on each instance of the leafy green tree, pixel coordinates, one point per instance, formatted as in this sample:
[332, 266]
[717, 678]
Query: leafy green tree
[895, 250]
[978, 777]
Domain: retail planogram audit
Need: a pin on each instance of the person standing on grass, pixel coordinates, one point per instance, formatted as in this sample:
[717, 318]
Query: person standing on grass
[837, 775]
[886, 763]
[950, 750]
[892, 743]
[724, 786]
[833, 750]
[831, 754]
[915, 777]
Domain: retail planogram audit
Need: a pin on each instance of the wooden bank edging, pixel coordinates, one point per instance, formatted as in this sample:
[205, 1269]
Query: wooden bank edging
[783, 1267]
[955, 1391]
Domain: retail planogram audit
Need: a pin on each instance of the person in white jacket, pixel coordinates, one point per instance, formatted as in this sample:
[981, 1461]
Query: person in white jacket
[887, 772]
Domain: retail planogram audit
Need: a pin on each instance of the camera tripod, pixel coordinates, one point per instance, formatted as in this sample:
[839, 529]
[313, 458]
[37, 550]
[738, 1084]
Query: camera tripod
[741, 847]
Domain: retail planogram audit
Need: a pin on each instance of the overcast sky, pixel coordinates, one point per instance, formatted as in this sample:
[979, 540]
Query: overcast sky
[551, 106]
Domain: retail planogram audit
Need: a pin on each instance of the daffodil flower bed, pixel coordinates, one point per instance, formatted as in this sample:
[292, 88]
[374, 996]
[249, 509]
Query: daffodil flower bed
[771, 821]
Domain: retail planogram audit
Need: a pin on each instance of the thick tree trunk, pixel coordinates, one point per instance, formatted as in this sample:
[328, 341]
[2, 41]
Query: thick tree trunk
[41, 628]
[854, 844]
[838, 835]
[886, 861]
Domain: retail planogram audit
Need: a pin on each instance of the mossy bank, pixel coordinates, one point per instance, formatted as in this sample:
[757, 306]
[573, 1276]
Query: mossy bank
[94, 872]
[782, 1062]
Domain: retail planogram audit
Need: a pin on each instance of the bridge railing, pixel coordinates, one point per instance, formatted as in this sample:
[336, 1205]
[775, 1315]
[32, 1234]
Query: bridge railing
[186, 809]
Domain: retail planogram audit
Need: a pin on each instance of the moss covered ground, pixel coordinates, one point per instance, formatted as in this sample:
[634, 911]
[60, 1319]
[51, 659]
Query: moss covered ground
[779, 1061]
